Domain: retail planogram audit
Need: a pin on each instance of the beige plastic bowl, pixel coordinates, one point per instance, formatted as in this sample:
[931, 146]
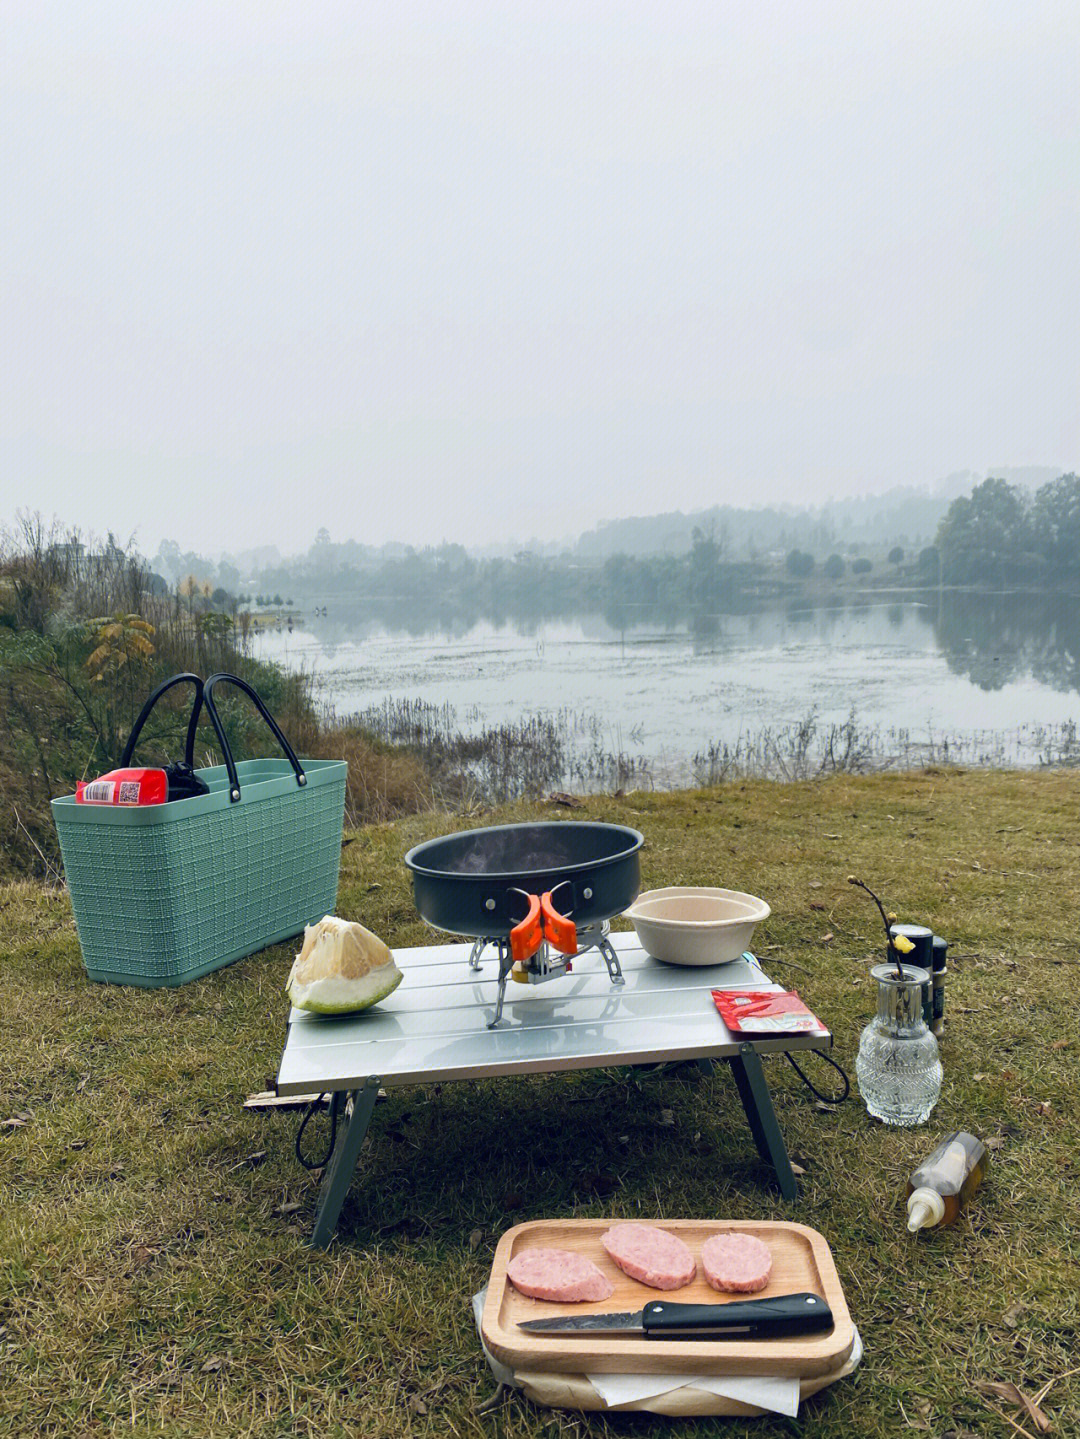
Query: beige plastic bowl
[685, 924]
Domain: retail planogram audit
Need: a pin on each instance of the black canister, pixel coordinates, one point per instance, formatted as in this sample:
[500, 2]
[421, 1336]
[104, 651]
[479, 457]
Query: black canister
[922, 956]
[937, 1019]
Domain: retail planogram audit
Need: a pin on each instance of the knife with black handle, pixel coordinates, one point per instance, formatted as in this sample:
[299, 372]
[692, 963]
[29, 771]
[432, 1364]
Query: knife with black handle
[783, 1315]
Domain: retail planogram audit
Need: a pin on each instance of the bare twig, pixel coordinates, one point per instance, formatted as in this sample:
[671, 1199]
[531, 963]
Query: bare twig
[495, 1400]
[53, 877]
[1002, 1415]
[1045, 1390]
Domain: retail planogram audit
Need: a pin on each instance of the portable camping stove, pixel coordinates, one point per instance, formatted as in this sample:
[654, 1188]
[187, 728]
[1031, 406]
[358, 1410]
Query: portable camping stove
[539, 894]
[546, 962]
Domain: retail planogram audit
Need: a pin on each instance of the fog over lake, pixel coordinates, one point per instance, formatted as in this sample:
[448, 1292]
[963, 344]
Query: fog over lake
[997, 676]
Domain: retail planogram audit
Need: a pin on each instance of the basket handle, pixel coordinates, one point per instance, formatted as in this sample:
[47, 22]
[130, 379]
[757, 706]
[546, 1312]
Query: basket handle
[144, 714]
[230, 763]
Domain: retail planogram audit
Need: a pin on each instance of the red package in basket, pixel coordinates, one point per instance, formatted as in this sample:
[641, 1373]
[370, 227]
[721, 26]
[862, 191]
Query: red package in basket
[750, 1011]
[125, 786]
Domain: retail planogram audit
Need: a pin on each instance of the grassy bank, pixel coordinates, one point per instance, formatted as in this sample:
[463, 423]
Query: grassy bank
[153, 1275]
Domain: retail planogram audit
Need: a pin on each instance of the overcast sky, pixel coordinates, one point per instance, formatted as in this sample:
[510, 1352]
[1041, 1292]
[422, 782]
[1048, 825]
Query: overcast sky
[473, 271]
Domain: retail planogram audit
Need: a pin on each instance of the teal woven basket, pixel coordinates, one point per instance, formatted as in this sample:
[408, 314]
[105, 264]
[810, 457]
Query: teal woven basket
[165, 893]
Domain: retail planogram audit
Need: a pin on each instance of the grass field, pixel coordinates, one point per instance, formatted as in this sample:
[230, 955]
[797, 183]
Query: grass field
[154, 1278]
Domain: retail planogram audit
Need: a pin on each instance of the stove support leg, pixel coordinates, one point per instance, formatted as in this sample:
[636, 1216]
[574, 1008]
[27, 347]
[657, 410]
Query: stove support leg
[506, 963]
[761, 1116]
[611, 959]
[339, 1171]
[475, 953]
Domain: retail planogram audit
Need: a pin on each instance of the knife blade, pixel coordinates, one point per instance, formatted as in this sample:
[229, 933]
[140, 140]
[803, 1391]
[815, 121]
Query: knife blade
[783, 1314]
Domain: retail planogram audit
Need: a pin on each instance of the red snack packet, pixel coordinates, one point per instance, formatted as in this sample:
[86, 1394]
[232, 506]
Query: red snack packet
[126, 787]
[752, 1011]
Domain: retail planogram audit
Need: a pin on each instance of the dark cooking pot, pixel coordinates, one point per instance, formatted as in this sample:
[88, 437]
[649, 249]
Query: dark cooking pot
[526, 882]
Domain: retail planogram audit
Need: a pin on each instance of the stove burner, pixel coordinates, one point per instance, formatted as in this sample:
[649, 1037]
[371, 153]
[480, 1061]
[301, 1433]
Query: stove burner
[545, 963]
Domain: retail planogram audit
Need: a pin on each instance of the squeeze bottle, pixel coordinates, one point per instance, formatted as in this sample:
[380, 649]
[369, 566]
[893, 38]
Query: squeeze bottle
[946, 1180]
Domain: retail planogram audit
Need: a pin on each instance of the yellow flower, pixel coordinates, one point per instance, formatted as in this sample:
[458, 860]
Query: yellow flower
[891, 916]
[902, 944]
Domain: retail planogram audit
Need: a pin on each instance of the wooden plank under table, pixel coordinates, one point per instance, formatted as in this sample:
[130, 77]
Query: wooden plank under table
[434, 1028]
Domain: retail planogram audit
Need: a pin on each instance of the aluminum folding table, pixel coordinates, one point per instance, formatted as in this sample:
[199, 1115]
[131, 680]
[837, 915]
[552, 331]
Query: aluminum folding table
[434, 1027]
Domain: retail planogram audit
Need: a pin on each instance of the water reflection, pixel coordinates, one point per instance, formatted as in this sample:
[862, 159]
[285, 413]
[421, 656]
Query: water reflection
[994, 640]
[987, 640]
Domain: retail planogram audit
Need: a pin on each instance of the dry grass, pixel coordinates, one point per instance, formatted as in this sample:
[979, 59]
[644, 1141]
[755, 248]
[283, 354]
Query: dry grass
[383, 780]
[153, 1275]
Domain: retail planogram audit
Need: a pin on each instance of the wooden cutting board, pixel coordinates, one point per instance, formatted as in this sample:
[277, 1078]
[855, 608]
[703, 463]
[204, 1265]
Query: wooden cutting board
[802, 1262]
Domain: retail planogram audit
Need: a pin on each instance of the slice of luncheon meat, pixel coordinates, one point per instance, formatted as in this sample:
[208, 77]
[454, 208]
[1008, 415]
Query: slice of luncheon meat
[650, 1255]
[558, 1275]
[736, 1263]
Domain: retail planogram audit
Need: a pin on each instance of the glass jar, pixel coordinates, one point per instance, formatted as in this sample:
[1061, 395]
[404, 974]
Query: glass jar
[898, 1066]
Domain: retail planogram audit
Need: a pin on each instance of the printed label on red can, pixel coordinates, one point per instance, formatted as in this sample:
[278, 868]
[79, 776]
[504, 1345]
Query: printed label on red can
[98, 791]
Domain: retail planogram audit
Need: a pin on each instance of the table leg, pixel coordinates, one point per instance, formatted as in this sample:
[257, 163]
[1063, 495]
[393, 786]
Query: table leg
[761, 1116]
[339, 1171]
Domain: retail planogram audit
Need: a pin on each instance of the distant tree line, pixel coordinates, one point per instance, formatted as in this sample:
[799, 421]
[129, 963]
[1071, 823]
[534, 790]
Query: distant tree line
[449, 579]
[999, 535]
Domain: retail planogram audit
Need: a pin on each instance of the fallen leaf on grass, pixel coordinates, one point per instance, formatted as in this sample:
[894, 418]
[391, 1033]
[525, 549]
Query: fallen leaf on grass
[815, 884]
[995, 1143]
[1061, 1044]
[17, 1121]
[911, 1423]
[212, 1365]
[817, 904]
[1012, 1395]
[1041, 1106]
[290, 1208]
[667, 1119]
[417, 1405]
[828, 938]
[825, 1108]
[798, 1172]
[474, 1239]
[1012, 1314]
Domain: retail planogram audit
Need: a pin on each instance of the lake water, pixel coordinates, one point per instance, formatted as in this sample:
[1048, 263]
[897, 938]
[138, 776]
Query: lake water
[998, 675]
